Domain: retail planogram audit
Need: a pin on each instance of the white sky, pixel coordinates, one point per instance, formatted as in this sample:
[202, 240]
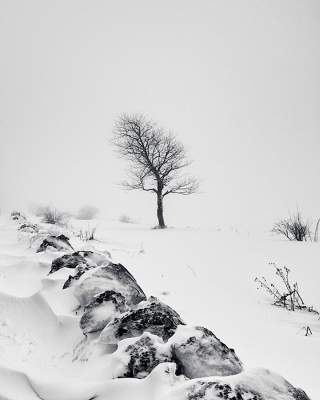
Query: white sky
[237, 81]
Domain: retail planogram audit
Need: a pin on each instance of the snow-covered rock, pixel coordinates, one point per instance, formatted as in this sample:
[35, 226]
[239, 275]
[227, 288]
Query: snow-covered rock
[257, 384]
[199, 353]
[27, 227]
[78, 272]
[139, 356]
[101, 310]
[79, 257]
[105, 278]
[60, 243]
[149, 316]
[67, 261]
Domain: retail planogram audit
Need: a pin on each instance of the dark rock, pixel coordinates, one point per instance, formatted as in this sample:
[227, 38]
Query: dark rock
[78, 257]
[105, 278]
[217, 390]
[68, 261]
[79, 271]
[298, 394]
[59, 243]
[199, 353]
[258, 384]
[150, 316]
[144, 353]
[101, 310]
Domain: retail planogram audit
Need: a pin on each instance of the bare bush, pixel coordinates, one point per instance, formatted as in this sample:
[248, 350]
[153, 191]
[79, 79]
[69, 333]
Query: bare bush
[87, 234]
[293, 228]
[285, 294]
[17, 215]
[87, 212]
[51, 215]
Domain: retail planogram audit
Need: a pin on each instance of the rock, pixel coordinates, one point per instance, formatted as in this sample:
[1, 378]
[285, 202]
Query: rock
[78, 272]
[150, 316]
[28, 228]
[258, 384]
[67, 261]
[78, 257]
[91, 260]
[105, 278]
[140, 356]
[101, 310]
[59, 243]
[199, 353]
[205, 390]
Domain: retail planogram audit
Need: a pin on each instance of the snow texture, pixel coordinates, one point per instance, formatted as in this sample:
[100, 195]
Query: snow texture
[45, 354]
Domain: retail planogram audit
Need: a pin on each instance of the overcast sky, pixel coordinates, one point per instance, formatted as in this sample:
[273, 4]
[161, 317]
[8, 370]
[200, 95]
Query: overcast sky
[236, 81]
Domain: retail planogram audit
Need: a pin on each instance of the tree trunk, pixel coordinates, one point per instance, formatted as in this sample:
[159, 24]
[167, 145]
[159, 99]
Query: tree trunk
[160, 210]
[316, 232]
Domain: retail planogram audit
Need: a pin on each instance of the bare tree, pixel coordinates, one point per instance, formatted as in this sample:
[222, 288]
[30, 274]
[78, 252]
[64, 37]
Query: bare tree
[156, 159]
[293, 228]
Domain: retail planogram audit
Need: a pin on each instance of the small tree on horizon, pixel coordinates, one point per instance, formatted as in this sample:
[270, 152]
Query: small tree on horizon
[156, 159]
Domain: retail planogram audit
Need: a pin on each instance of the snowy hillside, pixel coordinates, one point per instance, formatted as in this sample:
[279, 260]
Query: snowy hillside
[51, 351]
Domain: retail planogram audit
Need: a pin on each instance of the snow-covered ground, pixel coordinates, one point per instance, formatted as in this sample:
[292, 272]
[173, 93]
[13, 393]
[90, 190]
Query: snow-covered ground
[207, 276]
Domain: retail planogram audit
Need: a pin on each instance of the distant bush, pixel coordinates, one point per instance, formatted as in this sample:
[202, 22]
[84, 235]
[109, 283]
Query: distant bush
[51, 215]
[126, 219]
[87, 212]
[293, 228]
[16, 215]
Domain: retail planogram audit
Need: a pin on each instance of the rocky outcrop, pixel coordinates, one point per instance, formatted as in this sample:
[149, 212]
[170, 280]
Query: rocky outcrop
[139, 356]
[199, 353]
[196, 351]
[111, 277]
[101, 310]
[150, 316]
[59, 243]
